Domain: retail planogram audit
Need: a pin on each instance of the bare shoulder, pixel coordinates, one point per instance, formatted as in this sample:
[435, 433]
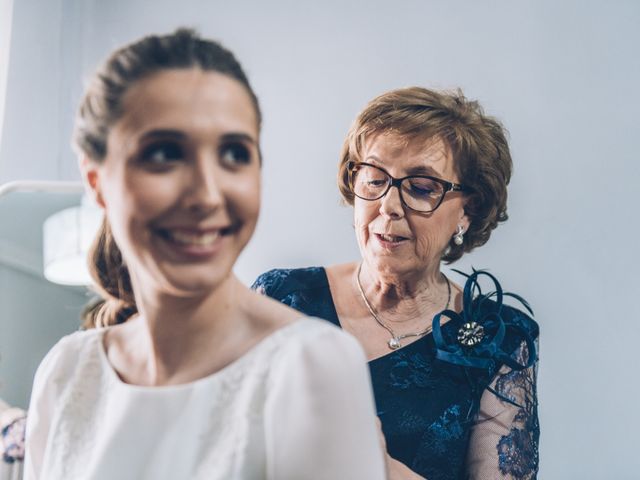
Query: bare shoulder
[116, 336]
[340, 273]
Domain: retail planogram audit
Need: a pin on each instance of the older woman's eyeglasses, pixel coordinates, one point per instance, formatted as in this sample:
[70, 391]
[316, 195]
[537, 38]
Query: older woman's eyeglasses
[421, 193]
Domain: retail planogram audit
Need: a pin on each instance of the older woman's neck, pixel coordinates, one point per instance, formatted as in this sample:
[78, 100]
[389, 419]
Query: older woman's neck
[418, 290]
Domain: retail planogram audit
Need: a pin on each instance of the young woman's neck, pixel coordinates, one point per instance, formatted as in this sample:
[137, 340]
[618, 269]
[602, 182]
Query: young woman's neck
[164, 311]
[189, 337]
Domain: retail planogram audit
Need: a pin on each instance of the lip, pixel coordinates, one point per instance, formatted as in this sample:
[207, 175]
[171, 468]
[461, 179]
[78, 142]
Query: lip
[193, 243]
[388, 244]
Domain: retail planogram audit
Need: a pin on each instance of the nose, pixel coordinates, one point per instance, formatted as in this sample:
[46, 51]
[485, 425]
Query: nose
[204, 192]
[391, 204]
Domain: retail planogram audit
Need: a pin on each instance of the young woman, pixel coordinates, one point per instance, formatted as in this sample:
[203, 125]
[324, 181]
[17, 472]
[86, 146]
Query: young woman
[204, 379]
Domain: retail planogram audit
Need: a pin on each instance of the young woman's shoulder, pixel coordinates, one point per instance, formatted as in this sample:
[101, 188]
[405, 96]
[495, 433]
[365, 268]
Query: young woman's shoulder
[69, 352]
[318, 382]
[320, 349]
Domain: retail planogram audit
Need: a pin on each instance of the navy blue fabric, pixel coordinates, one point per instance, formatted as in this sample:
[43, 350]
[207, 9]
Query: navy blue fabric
[428, 406]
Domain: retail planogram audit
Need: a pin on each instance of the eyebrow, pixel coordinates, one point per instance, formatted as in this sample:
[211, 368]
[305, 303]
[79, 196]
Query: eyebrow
[239, 137]
[423, 170]
[178, 135]
[415, 170]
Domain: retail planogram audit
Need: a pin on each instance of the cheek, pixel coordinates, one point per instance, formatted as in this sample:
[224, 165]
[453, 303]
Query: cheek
[132, 193]
[432, 235]
[244, 198]
[426, 245]
[363, 214]
[147, 195]
[132, 202]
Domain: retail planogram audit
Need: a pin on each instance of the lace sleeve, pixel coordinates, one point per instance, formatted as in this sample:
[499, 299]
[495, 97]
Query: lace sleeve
[504, 439]
[270, 282]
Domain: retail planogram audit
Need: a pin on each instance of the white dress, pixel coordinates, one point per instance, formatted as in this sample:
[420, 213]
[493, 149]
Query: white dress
[298, 405]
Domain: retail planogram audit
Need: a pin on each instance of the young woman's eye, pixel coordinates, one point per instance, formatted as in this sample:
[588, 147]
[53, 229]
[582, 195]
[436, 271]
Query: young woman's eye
[235, 154]
[161, 153]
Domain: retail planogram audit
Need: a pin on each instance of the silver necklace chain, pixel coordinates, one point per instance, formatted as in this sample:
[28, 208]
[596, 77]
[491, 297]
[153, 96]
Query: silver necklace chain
[394, 341]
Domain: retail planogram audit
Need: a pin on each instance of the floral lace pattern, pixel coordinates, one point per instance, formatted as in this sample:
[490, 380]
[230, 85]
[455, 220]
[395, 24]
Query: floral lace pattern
[518, 450]
[434, 411]
[12, 440]
[12, 435]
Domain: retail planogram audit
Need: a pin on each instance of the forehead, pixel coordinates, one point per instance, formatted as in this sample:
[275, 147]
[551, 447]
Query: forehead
[406, 156]
[188, 100]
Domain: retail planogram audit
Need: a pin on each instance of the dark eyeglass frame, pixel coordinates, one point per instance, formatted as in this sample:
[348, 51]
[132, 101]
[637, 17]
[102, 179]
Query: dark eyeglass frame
[352, 168]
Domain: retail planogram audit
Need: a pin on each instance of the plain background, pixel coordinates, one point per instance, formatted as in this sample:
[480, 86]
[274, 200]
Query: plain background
[562, 75]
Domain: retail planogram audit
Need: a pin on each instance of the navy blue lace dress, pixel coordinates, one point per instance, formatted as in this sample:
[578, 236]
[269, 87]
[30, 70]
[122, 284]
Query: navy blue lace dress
[448, 410]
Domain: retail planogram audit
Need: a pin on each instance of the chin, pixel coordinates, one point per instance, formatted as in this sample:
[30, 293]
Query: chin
[394, 264]
[194, 281]
[195, 273]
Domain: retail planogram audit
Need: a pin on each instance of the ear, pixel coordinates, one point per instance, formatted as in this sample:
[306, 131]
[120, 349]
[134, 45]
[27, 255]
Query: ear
[464, 222]
[91, 175]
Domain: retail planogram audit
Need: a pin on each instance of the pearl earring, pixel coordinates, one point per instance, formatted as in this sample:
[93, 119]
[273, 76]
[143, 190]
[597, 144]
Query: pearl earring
[458, 238]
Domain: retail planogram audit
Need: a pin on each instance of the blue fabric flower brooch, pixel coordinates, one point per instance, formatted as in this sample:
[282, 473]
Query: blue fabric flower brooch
[481, 328]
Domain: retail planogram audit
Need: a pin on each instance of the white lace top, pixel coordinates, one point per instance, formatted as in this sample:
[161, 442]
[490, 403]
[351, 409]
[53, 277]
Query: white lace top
[297, 406]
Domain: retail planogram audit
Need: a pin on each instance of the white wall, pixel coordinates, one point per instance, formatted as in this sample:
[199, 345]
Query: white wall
[46, 48]
[6, 14]
[563, 76]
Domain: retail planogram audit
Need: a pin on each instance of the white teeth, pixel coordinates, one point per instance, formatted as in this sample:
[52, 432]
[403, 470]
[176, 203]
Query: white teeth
[195, 239]
[391, 238]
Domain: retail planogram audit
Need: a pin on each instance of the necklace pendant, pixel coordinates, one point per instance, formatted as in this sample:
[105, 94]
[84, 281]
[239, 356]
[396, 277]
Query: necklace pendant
[394, 343]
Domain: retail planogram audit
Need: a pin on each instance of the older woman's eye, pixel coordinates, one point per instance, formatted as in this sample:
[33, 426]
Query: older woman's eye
[423, 188]
[377, 183]
[235, 154]
[161, 153]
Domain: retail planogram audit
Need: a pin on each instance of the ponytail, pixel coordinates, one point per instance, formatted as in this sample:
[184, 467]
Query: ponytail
[112, 281]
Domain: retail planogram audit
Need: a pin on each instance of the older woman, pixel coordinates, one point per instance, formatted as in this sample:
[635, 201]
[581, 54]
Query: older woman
[453, 368]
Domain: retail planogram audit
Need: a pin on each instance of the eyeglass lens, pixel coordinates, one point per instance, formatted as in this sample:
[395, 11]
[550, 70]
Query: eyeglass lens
[419, 193]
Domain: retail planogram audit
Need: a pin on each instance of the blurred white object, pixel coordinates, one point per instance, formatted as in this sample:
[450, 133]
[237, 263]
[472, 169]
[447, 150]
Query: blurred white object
[68, 235]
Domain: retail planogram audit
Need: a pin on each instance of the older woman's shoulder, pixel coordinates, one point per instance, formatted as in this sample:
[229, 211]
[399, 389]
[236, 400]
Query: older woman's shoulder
[513, 317]
[492, 302]
[488, 332]
[280, 282]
